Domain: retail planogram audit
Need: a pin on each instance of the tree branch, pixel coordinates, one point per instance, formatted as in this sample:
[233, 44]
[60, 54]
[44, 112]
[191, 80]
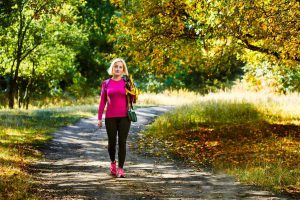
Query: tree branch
[267, 51]
[32, 17]
[260, 49]
[25, 54]
[29, 51]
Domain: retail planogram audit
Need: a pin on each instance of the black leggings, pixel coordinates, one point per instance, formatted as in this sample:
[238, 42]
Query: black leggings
[117, 126]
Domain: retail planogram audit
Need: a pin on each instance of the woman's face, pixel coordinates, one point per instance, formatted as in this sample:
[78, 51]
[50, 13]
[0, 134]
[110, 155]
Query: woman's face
[118, 69]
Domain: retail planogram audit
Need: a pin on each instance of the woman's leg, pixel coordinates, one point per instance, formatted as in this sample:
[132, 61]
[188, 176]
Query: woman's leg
[111, 129]
[123, 130]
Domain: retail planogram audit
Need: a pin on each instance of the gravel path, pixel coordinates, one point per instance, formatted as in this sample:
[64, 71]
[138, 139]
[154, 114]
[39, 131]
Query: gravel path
[76, 166]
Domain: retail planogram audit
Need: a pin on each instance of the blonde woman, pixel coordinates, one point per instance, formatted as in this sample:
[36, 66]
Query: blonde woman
[116, 118]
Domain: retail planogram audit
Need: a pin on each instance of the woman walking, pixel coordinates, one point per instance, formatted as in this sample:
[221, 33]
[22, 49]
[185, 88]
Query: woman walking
[116, 118]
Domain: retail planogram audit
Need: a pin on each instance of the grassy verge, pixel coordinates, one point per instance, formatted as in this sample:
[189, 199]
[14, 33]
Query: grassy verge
[174, 98]
[253, 136]
[21, 132]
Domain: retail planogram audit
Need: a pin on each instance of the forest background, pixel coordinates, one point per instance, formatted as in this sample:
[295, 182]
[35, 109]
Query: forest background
[53, 49]
[55, 53]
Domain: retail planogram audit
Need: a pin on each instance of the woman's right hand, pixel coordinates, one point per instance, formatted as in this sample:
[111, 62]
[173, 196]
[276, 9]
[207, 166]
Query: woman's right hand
[99, 123]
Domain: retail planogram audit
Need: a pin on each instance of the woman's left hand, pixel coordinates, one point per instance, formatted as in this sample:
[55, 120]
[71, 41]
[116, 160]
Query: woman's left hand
[99, 123]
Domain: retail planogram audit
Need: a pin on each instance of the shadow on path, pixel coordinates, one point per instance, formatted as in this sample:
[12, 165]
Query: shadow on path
[76, 166]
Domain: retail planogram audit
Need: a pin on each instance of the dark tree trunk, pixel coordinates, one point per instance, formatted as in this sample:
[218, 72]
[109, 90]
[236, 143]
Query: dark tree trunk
[11, 96]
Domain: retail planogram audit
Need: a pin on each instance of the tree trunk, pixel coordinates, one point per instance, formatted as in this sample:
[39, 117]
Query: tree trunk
[19, 92]
[11, 91]
[28, 90]
[16, 75]
[26, 96]
[27, 100]
[20, 52]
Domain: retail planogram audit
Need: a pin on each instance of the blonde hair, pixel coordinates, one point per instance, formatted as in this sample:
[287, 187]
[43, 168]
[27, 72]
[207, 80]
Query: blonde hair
[110, 69]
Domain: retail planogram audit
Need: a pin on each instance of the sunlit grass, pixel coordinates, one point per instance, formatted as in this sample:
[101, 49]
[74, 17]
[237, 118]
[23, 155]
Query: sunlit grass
[255, 136]
[251, 135]
[168, 97]
[276, 108]
[21, 133]
[67, 101]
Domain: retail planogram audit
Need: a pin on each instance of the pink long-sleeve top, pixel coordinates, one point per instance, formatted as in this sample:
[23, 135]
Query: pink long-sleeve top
[115, 97]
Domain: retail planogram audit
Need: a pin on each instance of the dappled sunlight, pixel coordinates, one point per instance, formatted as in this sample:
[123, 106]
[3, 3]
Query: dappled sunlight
[77, 161]
[14, 132]
[236, 131]
[240, 146]
[22, 132]
[201, 60]
[145, 166]
[14, 179]
[10, 159]
[145, 114]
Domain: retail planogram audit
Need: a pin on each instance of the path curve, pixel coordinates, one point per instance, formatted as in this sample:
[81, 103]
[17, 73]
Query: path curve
[76, 166]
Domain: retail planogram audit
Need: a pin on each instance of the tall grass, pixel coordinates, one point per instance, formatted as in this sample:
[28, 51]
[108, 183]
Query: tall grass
[168, 97]
[274, 107]
[21, 132]
[255, 136]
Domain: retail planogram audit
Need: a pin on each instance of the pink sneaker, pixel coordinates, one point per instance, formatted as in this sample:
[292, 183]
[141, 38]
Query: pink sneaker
[113, 168]
[120, 173]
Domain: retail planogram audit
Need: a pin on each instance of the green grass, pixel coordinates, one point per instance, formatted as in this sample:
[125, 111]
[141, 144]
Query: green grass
[251, 135]
[254, 136]
[21, 132]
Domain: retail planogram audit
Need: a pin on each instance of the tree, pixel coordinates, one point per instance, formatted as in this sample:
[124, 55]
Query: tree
[94, 55]
[162, 38]
[34, 23]
[270, 27]
[156, 34]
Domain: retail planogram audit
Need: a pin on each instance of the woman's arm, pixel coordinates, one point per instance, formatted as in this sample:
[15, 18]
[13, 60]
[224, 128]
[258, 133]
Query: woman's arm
[102, 103]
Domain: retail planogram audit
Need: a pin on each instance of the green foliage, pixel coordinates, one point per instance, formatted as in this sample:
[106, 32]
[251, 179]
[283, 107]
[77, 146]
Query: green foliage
[208, 39]
[94, 56]
[157, 38]
[263, 74]
[196, 45]
[40, 46]
[53, 48]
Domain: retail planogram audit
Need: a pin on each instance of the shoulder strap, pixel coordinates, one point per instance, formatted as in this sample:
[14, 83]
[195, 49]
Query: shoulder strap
[106, 85]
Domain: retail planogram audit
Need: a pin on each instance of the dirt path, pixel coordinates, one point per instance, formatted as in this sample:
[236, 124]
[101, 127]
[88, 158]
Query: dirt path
[76, 166]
